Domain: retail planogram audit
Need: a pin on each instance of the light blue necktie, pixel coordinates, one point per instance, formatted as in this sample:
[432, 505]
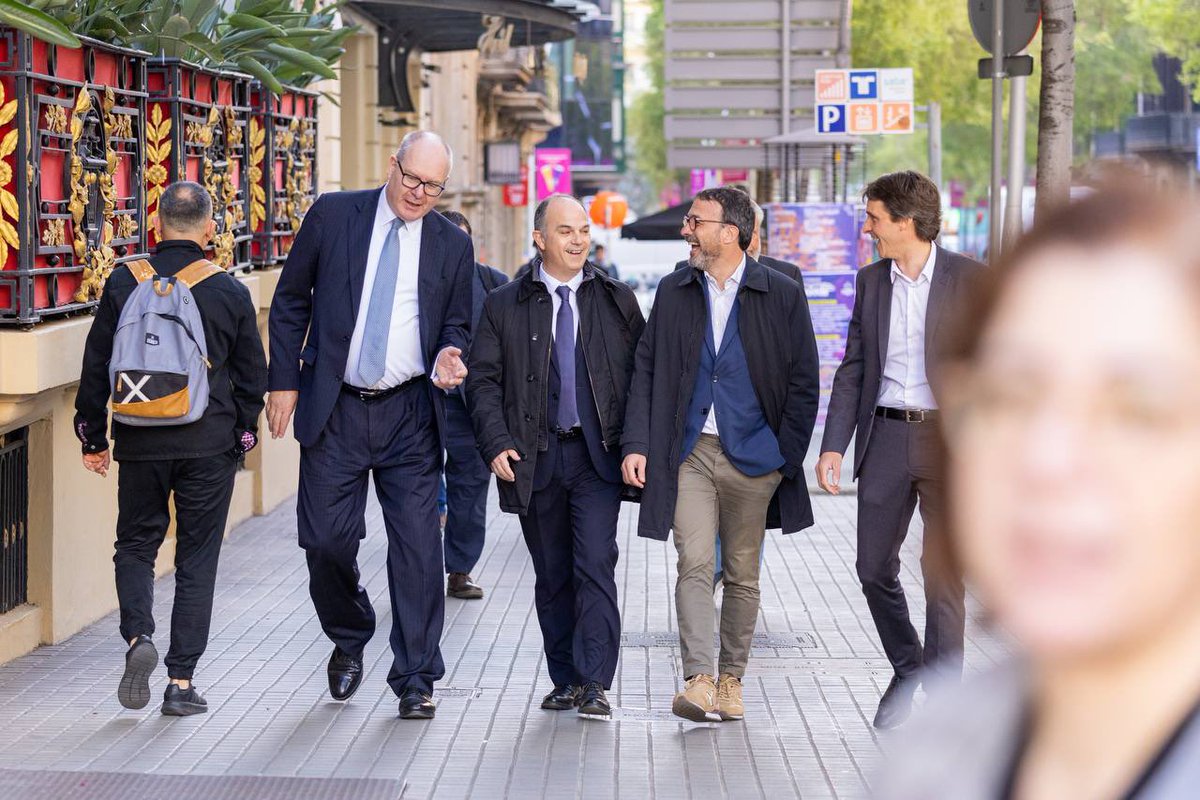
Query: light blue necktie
[372, 358]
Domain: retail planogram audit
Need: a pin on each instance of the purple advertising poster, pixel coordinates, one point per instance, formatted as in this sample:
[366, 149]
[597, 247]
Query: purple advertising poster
[830, 302]
[552, 169]
[817, 237]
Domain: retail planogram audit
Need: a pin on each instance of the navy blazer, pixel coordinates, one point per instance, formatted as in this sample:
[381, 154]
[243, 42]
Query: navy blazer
[316, 302]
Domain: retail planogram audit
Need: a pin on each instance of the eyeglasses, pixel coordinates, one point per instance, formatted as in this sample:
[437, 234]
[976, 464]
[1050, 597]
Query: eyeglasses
[691, 221]
[409, 181]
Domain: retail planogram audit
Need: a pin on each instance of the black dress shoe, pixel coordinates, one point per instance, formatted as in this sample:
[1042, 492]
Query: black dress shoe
[462, 586]
[563, 698]
[896, 704]
[140, 661]
[345, 674]
[415, 704]
[593, 702]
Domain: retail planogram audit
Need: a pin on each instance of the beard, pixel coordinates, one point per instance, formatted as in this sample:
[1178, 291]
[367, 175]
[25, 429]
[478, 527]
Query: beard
[700, 260]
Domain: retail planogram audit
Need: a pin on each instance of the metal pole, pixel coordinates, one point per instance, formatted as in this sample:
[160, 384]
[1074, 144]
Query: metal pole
[995, 213]
[530, 202]
[935, 144]
[1013, 219]
[786, 64]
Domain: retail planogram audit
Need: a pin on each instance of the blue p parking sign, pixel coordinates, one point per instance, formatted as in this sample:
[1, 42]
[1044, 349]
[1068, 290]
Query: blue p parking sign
[831, 118]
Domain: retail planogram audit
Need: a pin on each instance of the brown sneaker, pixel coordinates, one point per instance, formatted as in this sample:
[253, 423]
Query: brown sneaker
[698, 700]
[729, 698]
[460, 585]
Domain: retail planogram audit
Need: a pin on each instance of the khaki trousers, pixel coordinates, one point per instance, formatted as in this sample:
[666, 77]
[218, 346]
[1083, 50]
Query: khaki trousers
[716, 498]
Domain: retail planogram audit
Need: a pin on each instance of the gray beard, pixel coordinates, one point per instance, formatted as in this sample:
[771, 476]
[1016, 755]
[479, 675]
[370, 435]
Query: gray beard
[700, 261]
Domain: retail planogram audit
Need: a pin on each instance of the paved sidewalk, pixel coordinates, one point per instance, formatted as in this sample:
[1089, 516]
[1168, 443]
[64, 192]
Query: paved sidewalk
[272, 730]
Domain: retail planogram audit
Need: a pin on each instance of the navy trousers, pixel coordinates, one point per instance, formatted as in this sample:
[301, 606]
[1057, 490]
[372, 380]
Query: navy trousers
[467, 479]
[571, 532]
[393, 440]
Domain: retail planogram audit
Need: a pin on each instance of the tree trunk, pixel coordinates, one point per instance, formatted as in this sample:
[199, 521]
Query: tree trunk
[1056, 112]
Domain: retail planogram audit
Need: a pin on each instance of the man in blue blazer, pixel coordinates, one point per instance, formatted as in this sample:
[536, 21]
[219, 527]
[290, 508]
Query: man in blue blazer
[368, 325]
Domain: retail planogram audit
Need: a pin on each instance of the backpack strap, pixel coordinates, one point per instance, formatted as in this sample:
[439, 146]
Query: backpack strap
[197, 272]
[141, 269]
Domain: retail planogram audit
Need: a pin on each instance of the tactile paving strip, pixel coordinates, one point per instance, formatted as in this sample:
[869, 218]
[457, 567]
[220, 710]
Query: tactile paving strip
[30, 785]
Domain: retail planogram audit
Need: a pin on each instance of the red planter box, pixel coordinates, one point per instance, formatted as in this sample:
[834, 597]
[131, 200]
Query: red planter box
[71, 183]
[283, 168]
[197, 130]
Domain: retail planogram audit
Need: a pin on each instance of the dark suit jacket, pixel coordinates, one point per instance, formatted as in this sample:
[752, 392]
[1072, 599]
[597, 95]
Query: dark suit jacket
[856, 384]
[781, 353]
[509, 381]
[316, 302]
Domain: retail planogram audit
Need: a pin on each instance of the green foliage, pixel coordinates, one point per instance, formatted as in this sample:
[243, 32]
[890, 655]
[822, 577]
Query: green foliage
[1112, 62]
[270, 39]
[1174, 27]
[31, 19]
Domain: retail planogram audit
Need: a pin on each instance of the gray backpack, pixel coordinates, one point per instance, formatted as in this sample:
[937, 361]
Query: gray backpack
[159, 366]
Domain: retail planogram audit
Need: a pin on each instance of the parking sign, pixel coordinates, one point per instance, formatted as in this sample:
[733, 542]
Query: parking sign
[831, 118]
[864, 101]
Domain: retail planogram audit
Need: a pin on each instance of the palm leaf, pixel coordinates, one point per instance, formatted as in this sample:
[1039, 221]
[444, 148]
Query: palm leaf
[36, 23]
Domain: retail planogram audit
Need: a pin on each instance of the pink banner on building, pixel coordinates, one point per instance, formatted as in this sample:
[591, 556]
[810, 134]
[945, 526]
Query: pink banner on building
[552, 166]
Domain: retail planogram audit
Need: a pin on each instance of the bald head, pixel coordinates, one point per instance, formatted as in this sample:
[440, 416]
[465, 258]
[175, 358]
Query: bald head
[417, 174]
[562, 233]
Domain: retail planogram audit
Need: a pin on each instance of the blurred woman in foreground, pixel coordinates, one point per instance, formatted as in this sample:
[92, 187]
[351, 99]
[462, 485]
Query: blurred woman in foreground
[1072, 415]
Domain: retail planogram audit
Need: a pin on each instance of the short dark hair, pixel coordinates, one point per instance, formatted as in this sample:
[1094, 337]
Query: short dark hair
[185, 206]
[459, 219]
[736, 208]
[539, 214]
[909, 195]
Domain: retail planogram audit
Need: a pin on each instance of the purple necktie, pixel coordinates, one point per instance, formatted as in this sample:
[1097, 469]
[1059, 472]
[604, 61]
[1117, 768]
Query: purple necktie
[564, 351]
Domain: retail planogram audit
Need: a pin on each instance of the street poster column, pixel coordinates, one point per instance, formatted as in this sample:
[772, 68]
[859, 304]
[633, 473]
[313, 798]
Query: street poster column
[824, 240]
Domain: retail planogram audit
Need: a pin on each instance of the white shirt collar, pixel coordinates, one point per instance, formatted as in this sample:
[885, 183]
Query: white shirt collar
[926, 272]
[384, 215]
[735, 278]
[553, 283]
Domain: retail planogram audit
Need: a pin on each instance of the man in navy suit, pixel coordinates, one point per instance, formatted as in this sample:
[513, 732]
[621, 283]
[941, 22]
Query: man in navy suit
[467, 476]
[550, 370]
[368, 326]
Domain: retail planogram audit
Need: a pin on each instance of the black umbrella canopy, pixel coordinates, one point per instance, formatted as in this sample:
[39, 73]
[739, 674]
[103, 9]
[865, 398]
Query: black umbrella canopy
[662, 226]
[446, 25]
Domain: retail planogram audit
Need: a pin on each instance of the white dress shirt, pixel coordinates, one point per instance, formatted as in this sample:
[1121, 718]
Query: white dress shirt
[404, 358]
[552, 284]
[720, 306]
[905, 384]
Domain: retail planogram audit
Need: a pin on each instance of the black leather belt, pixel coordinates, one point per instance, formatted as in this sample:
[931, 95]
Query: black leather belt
[367, 395]
[907, 414]
[566, 436]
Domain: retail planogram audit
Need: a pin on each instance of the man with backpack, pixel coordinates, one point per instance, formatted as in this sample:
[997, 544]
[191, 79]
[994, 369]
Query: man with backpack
[175, 344]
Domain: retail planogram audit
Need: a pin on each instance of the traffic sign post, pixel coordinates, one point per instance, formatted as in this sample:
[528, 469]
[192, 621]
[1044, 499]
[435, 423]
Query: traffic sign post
[1004, 28]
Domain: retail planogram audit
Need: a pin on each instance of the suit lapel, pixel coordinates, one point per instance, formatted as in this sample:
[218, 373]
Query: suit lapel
[358, 246]
[939, 296]
[884, 313]
[429, 276]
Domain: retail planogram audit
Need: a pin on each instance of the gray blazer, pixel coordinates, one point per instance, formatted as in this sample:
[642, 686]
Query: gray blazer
[856, 383]
[961, 745]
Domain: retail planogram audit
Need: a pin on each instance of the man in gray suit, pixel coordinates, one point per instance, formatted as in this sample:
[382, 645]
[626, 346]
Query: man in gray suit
[882, 390]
